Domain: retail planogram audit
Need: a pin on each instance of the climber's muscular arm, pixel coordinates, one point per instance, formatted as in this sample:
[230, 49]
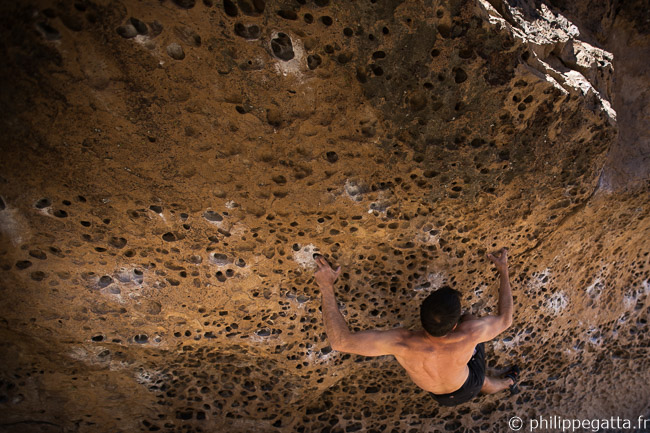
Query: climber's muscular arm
[366, 343]
[486, 328]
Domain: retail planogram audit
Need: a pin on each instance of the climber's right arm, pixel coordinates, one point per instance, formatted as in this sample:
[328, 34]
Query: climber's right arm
[487, 328]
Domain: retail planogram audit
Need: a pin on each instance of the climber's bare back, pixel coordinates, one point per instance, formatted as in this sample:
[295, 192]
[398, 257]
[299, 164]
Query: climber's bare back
[437, 365]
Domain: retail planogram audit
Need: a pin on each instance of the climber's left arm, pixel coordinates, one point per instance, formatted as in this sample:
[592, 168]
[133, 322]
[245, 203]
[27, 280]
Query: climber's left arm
[366, 343]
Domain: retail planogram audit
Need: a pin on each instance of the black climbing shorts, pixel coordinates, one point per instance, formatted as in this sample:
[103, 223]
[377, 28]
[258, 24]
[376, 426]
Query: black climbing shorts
[472, 385]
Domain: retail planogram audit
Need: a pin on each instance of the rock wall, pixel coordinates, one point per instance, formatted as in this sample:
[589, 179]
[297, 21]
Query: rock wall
[169, 168]
[623, 29]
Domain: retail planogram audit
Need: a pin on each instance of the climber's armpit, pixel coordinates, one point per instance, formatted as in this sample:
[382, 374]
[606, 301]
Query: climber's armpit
[488, 327]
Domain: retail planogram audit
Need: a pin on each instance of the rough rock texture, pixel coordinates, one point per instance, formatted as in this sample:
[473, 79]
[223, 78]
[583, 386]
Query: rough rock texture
[169, 168]
[624, 30]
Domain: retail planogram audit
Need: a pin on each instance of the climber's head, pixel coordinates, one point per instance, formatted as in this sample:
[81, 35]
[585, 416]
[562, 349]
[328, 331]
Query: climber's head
[440, 311]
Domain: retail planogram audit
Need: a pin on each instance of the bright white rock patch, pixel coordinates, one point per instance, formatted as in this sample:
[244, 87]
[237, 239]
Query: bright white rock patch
[305, 256]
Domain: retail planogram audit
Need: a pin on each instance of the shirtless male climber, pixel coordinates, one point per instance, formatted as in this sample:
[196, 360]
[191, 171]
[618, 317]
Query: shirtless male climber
[447, 357]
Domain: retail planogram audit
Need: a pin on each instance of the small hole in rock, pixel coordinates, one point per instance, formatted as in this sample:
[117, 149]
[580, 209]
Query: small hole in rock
[326, 20]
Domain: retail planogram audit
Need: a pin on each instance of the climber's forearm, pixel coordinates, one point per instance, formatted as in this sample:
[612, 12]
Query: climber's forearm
[505, 296]
[335, 325]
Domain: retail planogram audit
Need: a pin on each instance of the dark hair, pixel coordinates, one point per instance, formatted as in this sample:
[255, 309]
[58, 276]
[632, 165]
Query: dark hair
[440, 311]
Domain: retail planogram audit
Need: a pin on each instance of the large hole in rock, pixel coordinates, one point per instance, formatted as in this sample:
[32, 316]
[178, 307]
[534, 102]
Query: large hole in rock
[282, 47]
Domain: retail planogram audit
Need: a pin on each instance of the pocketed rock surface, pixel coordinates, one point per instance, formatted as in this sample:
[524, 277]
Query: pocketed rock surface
[169, 168]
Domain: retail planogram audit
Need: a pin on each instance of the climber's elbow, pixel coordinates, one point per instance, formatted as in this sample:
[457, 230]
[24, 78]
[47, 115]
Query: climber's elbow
[507, 322]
